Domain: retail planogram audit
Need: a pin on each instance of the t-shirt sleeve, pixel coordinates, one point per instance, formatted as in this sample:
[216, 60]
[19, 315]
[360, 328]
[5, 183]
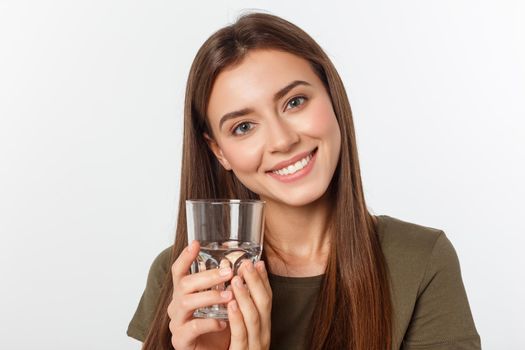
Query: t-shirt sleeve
[139, 326]
[442, 319]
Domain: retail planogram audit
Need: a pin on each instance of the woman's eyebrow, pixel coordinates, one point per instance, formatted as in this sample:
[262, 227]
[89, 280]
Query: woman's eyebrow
[278, 95]
[234, 114]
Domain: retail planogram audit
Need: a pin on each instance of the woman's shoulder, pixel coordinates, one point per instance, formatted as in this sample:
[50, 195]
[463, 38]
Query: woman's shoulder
[399, 236]
[145, 312]
[160, 266]
[414, 252]
[428, 295]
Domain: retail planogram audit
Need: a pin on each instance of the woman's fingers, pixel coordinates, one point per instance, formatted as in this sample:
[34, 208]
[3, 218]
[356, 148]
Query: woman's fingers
[187, 295]
[179, 270]
[239, 337]
[249, 311]
[187, 333]
[181, 266]
[258, 285]
[182, 311]
[258, 288]
[204, 280]
[185, 283]
[259, 294]
[194, 291]
[261, 269]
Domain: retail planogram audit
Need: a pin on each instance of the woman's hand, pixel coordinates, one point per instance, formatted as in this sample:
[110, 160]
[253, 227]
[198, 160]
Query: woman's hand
[197, 333]
[249, 314]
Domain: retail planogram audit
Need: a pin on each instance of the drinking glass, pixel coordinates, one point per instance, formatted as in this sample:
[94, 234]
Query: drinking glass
[229, 231]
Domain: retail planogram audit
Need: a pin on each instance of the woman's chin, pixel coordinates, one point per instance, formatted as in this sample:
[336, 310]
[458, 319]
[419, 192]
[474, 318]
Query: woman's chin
[297, 200]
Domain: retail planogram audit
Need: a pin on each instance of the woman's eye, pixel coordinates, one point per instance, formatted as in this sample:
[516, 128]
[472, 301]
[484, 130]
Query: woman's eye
[295, 102]
[242, 128]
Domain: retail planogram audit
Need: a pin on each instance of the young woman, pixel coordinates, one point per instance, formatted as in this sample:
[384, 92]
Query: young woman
[267, 117]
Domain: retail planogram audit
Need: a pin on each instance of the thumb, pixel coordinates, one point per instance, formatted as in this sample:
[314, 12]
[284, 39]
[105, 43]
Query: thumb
[181, 266]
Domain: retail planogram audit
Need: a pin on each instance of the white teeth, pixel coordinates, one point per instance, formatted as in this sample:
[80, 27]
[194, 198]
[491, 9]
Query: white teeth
[291, 169]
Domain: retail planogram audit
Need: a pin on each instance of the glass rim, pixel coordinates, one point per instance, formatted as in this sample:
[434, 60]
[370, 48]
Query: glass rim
[224, 201]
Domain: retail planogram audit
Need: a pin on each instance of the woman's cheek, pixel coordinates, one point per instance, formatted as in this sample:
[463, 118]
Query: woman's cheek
[244, 156]
[320, 120]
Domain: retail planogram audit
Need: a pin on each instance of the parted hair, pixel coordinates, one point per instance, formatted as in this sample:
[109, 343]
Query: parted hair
[353, 310]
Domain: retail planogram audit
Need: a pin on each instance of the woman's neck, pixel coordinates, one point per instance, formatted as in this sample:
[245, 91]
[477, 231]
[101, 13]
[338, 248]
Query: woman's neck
[297, 239]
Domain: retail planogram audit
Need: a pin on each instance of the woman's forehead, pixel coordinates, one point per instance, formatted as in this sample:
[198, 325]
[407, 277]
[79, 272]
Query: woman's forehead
[256, 79]
[265, 65]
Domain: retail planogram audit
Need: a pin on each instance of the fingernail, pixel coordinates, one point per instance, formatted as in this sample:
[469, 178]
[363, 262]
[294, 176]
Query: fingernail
[226, 294]
[233, 306]
[249, 266]
[224, 263]
[238, 282]
[222, 324]
[225, 271]
[260, 265]
[191, 247]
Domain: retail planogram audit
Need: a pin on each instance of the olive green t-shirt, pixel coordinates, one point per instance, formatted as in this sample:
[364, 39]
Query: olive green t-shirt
[431, 309]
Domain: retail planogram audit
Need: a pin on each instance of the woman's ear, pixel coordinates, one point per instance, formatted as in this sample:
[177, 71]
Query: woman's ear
[217, 151]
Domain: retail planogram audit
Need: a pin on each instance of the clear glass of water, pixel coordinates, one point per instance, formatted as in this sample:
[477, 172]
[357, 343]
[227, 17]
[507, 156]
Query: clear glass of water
[229, 231]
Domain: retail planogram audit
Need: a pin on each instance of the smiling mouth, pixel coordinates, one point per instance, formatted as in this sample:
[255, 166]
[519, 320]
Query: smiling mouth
[293, 168]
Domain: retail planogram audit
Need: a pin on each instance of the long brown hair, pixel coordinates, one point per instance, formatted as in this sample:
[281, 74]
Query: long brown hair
[353, 310]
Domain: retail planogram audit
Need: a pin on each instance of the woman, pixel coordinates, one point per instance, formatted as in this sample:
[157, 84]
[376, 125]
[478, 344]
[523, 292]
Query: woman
[267, 117]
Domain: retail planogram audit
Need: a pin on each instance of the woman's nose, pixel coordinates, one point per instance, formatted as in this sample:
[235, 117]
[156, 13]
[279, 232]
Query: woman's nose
[281, 136]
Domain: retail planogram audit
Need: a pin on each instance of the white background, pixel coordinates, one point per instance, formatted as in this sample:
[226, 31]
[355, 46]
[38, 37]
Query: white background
[91, 100]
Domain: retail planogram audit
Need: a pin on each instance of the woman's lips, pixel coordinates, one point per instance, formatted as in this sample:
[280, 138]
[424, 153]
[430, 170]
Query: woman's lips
[298, 174]
[293, 160]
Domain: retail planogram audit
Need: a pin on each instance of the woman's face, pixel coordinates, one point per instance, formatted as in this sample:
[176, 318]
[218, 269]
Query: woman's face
[274, 127]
